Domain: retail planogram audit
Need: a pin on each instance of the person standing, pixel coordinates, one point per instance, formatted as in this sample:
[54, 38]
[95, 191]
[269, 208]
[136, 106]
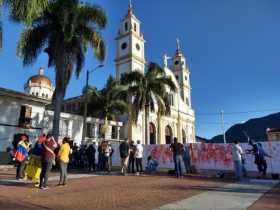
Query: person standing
[124, 154]
[139, 157]
[48, 159]
[91, 157]
[21, 156]
[263, 162]
[63, 156]
[131, 162]
[237, 153]
[260, 155]
[177, 149]
[107, 155]
[34, 166]
[187, 159]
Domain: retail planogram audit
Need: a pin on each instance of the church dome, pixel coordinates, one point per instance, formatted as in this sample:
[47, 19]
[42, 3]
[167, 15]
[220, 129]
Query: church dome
[40, 79]
[39, 86]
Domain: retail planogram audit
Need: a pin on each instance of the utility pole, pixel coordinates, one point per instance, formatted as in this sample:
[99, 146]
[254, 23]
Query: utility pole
[223, 126]
[86, 104]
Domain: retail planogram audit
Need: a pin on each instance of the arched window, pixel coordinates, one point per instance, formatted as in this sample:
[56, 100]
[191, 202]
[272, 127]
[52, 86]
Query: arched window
[125, 26]
[135, 27]
[43, 95]
[32, 93]
[47, 96]
[37, 94]
[187, 101]
[168, 134]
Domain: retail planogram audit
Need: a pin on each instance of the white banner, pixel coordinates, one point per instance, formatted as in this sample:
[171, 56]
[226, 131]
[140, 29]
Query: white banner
[209, 156]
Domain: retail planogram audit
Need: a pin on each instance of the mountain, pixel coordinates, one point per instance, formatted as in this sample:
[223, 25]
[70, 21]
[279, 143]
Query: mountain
[254, 128]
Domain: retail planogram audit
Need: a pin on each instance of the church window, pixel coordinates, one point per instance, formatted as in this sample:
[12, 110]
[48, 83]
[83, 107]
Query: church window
[187, 101]
[135, 27]
[176, 63]
[37, 94]
[186, 78]
[171, 99]
[25, 116]
[125, 26]
[137, 46]
[124, 46]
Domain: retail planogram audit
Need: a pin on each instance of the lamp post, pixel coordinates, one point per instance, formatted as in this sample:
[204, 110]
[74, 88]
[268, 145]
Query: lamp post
[223, 126]
[86, 103]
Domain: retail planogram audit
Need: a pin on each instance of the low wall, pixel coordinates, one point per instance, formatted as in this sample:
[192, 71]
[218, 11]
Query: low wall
[209, 156]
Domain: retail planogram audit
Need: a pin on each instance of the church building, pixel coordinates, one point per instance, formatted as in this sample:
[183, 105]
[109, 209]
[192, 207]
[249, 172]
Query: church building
[130, 56]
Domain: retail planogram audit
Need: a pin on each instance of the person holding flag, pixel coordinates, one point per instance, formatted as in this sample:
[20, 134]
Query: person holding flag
[21, 156]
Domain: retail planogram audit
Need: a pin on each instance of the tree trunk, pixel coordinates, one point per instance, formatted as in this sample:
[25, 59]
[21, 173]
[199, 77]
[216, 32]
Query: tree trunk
[60, 88]
[147, 133]
[57, 109]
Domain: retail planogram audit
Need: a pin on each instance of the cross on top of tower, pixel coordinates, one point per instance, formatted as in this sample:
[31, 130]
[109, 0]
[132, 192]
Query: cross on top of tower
[130, 8]
[178, 50]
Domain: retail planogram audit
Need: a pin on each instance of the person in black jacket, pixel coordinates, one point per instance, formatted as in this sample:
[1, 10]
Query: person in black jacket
[124, 154]
[91, 157]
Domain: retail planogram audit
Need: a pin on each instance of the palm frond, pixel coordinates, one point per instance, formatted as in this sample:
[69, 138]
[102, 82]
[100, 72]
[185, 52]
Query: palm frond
[132, 77]
[32, 42]
[90, 13]
[27, 10]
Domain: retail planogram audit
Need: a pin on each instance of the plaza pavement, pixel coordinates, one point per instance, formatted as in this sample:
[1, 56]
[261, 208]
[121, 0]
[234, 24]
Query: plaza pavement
[114, 192]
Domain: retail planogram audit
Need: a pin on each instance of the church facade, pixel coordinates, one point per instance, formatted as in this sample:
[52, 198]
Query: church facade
[130, 56]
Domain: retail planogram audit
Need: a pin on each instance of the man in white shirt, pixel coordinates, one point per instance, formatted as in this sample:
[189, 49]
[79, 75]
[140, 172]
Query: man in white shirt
[139, 156]
[237, 153]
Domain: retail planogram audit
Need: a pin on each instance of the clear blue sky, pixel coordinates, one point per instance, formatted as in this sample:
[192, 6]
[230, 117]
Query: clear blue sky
[232, 48]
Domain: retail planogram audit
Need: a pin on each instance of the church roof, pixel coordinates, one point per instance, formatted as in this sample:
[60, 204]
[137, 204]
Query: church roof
[19, 95]
[40, 79]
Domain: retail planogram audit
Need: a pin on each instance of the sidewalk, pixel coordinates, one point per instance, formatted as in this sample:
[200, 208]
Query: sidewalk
[236, 196]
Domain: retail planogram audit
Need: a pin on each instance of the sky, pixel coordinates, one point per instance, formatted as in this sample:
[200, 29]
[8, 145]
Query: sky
[232, 48]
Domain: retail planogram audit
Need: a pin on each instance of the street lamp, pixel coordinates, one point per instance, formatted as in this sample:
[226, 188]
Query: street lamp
[86, 102]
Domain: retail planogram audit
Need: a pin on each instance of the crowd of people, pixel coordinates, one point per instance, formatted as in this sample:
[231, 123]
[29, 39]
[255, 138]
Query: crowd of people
[35, 163]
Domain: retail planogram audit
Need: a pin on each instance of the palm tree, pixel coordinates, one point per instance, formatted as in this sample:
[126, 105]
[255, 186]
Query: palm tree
[147, 91]
[64, 31]
[108, 103]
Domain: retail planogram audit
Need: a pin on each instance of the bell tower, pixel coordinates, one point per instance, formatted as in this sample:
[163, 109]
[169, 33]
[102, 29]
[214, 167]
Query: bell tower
[182, 74]
[130, 55]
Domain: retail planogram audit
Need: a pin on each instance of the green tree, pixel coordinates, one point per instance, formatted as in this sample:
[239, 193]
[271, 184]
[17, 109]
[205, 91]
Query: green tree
[65, 30]
[27, 10]
[109, 102]
[148, 91]
[23, 11]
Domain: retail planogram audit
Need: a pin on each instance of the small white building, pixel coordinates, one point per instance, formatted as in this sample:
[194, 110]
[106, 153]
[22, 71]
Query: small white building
[27, 113]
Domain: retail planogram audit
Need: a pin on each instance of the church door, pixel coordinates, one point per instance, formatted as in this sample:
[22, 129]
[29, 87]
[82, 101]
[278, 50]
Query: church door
[168, 135]
[152, 133]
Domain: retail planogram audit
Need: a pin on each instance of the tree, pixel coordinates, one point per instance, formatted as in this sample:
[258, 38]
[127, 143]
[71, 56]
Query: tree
[148, 91]
[109, 102]
[65, 30]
